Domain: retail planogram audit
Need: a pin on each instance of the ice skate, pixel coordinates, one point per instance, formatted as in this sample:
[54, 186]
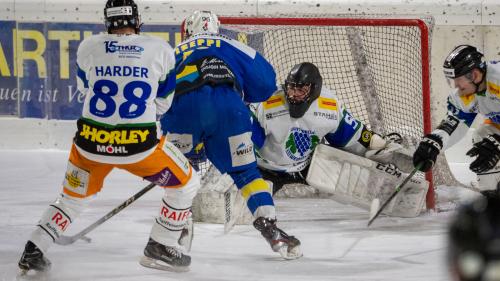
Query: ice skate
[163, 257]
[287, 246]
[33, 259]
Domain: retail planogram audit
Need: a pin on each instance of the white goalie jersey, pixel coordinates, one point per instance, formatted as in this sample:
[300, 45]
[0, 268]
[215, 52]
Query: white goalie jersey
[127, 80]
[286, 144]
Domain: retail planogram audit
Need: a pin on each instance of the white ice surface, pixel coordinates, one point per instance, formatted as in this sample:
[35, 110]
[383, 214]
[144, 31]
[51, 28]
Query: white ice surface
[336, 243]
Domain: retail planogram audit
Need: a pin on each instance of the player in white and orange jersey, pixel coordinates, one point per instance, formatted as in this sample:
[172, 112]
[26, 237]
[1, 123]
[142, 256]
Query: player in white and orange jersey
[128, 79]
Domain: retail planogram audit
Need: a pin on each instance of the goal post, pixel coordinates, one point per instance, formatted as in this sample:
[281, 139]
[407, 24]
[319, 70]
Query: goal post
[379, 67]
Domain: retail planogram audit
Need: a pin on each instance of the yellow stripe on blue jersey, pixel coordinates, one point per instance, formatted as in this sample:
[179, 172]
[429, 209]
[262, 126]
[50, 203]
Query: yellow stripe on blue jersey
[256, 186]
[189, 69]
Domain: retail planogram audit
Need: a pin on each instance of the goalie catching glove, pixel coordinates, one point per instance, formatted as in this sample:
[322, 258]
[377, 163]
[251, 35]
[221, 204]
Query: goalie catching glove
[487, 152]
[427, 152]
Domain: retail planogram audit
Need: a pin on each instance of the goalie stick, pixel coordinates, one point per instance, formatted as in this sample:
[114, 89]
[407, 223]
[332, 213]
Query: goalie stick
[66, 240]
[234, 209]
[375, 210]
[229, 220]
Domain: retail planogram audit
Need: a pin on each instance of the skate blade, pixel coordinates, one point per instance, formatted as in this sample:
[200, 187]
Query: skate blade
[290, 254]
[160, 265]
[26, 274]
[21, 274]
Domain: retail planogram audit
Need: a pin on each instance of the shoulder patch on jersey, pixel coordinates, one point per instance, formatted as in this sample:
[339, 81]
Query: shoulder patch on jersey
[366, 136]
[274, 101]
[241, 149]
[325, 103]
[494, 89]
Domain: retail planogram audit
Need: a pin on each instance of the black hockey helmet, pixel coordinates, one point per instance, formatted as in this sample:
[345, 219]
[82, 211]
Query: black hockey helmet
[474, 240]
[462, 60]
[121, 13]
[304, 77]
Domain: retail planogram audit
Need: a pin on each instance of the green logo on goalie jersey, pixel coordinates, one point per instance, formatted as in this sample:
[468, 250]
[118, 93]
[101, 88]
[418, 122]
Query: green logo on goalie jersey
[300, 144]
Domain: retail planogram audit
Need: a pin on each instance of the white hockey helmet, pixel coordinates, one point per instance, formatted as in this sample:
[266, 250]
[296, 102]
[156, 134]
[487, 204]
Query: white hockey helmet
[199, 22]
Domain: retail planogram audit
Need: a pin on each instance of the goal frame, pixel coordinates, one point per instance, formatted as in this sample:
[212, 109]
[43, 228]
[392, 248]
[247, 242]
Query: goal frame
[424, 48]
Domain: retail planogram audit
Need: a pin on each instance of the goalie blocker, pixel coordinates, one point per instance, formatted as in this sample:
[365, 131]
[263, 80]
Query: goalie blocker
[356, 180]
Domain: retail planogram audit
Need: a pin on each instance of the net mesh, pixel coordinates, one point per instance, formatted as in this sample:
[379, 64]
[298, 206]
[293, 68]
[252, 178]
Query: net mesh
[376, 71]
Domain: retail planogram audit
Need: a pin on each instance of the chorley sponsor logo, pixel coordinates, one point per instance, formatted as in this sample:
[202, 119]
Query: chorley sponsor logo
[118, 136]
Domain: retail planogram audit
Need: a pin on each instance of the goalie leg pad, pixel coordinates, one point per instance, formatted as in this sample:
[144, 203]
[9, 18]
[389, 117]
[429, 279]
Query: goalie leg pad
[56, 219]
[174, 213]
[411, 199]
[355, 180]
[219, 201]
[211, 203]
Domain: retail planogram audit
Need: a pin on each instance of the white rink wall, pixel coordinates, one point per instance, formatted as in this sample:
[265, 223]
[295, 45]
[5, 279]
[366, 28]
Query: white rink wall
[475, 22]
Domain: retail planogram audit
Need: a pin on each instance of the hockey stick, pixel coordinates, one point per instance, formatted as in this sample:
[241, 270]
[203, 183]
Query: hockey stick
[66, 240]
[374, 208]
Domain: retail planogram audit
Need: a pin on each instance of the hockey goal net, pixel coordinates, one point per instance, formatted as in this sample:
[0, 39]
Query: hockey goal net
[378, 67]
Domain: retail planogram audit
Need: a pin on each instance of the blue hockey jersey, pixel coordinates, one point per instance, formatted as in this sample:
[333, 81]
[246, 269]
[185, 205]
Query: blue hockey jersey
[222, 60]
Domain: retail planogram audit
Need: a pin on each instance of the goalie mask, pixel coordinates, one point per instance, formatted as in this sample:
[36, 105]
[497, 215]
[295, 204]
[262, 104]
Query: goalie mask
[474, 241]
[199, 22]
[458, 68]
[302, 87]
[121, 13]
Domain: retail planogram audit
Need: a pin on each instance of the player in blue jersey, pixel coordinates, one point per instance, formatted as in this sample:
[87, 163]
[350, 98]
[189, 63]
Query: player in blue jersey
[215, 77]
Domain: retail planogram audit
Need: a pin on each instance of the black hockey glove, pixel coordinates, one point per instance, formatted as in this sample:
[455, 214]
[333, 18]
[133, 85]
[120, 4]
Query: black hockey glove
[487, 152]
[427, 152]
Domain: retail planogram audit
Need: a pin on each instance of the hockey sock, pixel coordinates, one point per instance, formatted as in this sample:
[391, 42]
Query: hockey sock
[174, 212]
[259, 199]
[56, 219]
